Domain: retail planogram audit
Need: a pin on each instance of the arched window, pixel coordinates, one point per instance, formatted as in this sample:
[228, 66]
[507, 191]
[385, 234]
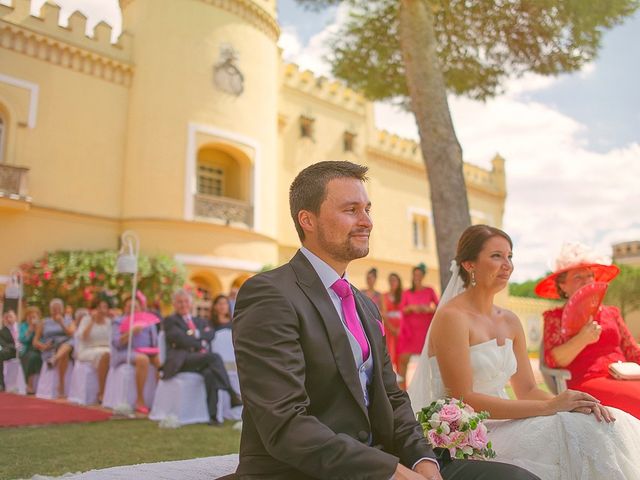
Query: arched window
[223, 185]
[221, 174]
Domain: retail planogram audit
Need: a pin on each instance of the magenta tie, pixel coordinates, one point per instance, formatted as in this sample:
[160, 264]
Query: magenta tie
[343, 290]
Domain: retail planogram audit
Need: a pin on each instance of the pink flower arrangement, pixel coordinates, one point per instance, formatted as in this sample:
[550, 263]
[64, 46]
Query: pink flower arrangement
[452, 426]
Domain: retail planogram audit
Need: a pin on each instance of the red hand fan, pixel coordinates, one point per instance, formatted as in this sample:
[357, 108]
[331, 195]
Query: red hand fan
[581, 306]
[143, 319]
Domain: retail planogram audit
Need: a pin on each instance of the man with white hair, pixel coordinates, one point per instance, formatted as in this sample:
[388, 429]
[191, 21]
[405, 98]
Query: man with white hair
[188, 344]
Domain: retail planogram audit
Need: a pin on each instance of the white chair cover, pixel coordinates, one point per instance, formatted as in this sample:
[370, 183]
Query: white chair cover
[48, 381]
[14, 377]
[183, 397]
[162, 348]
[222, 344]
[84, 384]
[121, 386]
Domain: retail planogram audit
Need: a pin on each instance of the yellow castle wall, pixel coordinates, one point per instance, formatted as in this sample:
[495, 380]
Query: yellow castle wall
[119, 128]
[175, 50]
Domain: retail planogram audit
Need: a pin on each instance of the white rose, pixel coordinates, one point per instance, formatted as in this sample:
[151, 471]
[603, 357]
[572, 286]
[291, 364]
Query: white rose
[445, 428]
[465, 417]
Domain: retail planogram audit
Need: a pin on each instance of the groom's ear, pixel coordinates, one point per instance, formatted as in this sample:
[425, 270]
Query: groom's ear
[306, 220]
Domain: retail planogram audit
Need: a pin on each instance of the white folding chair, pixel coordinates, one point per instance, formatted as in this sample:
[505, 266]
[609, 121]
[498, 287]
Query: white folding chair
[183, 397]
[84, 384]
[49, 379]
[222, 344]
[555, 378]
[14, 377]
[120, 387]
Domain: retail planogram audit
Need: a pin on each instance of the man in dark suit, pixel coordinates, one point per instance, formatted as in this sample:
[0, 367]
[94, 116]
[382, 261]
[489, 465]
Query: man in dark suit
[188, 344]
[321, 398]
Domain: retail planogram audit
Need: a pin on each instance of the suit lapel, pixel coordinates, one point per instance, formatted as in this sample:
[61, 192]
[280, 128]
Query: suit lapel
[313, 288]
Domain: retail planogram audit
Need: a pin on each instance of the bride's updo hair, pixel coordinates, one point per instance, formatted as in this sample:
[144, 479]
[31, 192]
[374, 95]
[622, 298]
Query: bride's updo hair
[470, 244]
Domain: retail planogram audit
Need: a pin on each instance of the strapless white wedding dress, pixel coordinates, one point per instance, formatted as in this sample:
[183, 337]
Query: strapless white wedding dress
[564, 446]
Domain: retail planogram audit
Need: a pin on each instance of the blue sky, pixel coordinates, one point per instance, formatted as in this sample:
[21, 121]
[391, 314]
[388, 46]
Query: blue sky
[606, 101]
[571, 143]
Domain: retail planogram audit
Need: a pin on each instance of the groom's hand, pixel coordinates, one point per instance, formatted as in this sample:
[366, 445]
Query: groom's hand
[424, 469]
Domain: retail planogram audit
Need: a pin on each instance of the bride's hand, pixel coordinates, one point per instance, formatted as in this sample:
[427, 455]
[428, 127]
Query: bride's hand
[572, 400]
[600, 412]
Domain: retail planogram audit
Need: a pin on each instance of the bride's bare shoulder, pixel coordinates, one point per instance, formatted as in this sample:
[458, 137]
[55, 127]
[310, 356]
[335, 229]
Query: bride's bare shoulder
[451, 316]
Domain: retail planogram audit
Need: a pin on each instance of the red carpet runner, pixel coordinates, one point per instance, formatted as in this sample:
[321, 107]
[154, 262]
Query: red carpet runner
[20, 410]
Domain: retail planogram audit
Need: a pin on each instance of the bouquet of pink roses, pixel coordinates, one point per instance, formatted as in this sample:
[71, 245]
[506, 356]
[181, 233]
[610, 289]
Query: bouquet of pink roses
[452, 426]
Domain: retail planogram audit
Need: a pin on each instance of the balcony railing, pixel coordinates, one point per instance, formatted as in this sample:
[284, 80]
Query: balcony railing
[13, 182]
[223, 208]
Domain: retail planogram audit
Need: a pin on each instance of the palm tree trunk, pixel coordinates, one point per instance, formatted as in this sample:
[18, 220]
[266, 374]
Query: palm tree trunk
[441, 150]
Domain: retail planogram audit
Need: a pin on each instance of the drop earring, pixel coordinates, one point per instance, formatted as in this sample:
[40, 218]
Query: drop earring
[473, 278]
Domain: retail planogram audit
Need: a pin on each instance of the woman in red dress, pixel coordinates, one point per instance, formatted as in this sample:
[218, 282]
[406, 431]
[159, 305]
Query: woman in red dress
[601, 341]
[418, 306]
[393, 316]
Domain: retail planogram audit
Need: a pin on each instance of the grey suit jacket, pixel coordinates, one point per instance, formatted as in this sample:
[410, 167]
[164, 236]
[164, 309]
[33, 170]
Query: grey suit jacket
[304, 414]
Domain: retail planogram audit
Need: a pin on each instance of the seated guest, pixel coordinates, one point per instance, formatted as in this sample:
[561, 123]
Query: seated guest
[78, 315]
[188, 341]
[30, 356]
[54, 338]
[603, 340]
[220, 313]
[92, 343]
[7, 342]
[143, 338]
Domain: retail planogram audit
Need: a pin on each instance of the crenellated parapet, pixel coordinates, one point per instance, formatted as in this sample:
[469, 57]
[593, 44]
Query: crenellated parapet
[69, 47]
[260, 13]
[397, 148]
[490, 181]
[330, 91]
[405, 152]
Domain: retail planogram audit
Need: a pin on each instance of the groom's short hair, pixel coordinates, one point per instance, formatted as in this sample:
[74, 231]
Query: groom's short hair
[309, 189]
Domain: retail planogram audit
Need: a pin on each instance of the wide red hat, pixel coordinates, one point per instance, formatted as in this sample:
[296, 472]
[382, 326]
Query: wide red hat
[572, 256]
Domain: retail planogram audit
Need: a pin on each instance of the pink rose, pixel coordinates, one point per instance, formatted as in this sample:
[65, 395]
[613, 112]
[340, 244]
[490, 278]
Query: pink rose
[437, 439]
[478, 438]
[450, 413]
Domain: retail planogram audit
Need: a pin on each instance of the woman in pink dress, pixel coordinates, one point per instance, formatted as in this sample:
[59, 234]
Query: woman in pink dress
[418, 306]
[393, 316]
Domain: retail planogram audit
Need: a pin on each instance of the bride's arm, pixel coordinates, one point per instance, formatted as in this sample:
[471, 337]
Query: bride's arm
[450, 341]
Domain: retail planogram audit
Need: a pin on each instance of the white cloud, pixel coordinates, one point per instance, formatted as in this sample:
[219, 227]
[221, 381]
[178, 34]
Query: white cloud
[558, 190]
[313, 55]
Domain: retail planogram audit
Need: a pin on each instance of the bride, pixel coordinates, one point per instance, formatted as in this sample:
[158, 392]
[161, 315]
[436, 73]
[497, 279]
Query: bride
[474, 348]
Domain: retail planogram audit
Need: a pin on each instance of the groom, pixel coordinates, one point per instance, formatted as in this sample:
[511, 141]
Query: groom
[321, 399]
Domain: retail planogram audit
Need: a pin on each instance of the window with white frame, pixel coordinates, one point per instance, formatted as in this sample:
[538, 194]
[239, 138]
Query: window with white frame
[420, 226]
[210, 180]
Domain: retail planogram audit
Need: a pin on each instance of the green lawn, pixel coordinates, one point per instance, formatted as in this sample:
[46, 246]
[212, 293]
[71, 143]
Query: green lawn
[54, 450]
